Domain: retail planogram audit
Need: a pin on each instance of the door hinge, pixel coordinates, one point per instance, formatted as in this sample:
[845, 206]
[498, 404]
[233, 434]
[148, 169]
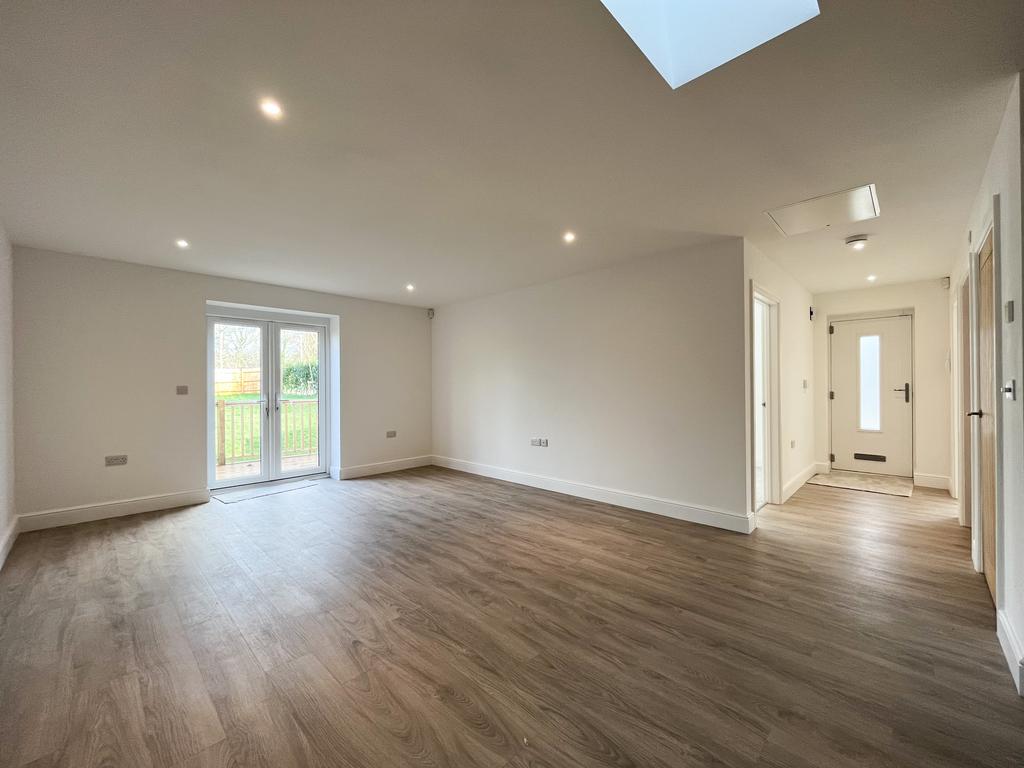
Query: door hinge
[831, 329]
[831, 457]
[831, 395]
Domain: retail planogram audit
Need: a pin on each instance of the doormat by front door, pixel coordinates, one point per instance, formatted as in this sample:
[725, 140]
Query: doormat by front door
[862, 481]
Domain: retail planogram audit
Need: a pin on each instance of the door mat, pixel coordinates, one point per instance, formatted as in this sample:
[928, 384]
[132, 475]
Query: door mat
[862, 481]
[235, 495]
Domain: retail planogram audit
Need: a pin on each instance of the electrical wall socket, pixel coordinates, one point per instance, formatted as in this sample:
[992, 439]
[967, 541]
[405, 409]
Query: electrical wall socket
[391, 433]
[539, 442]
[116, 461]
[543, 442]
[181, 389]
[792, 443]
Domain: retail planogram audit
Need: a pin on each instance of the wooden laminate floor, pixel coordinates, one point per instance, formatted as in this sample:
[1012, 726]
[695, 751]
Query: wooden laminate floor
[431, 618]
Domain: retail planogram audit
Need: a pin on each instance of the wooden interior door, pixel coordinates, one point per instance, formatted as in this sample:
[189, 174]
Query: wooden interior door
[966, 431]
[987, 406]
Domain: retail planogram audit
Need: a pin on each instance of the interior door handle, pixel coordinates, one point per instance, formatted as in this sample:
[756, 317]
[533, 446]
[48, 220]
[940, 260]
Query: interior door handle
[979, 414]
[905, 389]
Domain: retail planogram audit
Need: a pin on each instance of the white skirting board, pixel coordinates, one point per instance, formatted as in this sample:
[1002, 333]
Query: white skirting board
[795, 484]
[7, 541]
[925, 480]
[362, 470]
[53, 518]
[1013, 649]
[717, 518]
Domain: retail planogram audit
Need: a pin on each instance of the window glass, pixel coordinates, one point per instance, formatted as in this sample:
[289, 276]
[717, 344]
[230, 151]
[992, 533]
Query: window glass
[870, 383]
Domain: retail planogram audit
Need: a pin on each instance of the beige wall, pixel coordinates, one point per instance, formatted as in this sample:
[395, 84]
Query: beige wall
[634, 373]
[930, 302]
[796, 365]
[100, 345]
[1003, 177]
[6, 399]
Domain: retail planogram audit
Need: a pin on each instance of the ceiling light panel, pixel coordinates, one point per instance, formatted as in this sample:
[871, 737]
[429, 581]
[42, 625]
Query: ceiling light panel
[685, 39]
[834, 210]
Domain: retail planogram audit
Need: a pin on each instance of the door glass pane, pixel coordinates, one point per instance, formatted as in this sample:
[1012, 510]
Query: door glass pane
[870, 383]
[299, 399]
[238, 401]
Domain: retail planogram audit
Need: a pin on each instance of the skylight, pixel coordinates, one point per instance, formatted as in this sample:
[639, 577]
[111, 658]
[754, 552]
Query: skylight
[685, 39]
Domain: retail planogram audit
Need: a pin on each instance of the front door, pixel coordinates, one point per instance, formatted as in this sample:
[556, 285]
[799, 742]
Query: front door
[872, 395]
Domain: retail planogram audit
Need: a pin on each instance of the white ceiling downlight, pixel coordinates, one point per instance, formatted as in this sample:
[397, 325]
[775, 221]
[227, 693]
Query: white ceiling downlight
[410, 287]
[857, 242]
[569, 237]
[181, 243]
[685, 39]
[833, 210]
[271, 108]
[872, 278]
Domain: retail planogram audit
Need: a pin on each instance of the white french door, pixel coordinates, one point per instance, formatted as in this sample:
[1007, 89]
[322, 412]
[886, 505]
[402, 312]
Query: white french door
[267, 400]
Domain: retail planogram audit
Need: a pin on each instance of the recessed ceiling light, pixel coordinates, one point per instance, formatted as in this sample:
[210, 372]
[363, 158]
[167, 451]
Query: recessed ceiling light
[569, 237]
[271, 108]
[410, 287]
[181, 243]
[857, 242]
[872, 278]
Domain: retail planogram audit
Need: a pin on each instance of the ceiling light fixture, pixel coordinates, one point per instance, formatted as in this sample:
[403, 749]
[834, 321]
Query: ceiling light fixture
[181, 243]
[857, 242]
[872, 278]
[271, 108]
[569, 237]
[410, 287]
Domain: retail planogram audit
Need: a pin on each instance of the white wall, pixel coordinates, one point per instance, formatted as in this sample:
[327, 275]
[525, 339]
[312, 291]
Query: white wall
[100, 345]
[1003, 178]
[635, 374]
[6, 400]
[796, 365]
[930, 302]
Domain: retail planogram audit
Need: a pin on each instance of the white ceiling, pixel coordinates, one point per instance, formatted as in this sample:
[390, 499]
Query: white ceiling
[450, 143]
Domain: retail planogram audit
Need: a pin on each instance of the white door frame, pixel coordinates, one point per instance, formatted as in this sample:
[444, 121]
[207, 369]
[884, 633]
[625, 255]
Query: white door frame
[993, 228]
[877, 315]
[960, 405]
[773, 463]
[270, 322]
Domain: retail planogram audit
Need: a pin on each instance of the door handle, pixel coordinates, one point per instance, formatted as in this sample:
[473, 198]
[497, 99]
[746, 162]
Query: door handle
[905, 389]
[979, 414]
